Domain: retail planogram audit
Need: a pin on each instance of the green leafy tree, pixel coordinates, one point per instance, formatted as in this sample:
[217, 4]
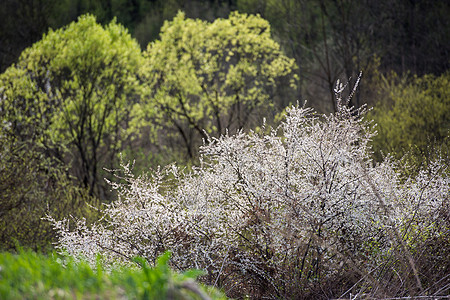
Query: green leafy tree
[72, 91]
[414, 118]
[205, 78]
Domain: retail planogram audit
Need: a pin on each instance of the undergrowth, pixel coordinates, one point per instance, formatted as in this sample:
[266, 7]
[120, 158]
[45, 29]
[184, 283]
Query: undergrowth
[30, 275]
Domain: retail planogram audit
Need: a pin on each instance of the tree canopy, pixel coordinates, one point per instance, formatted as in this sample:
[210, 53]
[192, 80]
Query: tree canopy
[205, 78]
[73, 89]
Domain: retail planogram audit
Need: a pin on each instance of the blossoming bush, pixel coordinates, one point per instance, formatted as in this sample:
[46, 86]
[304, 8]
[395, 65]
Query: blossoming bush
[295, 211]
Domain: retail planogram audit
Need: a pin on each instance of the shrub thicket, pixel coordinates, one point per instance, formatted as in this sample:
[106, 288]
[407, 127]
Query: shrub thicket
[300, 212]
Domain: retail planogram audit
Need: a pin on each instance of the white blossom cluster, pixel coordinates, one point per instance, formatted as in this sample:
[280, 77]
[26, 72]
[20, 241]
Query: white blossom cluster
[263, 206]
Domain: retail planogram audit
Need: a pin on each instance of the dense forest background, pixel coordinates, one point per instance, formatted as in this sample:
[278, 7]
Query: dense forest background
[331, 37]
[401, 47]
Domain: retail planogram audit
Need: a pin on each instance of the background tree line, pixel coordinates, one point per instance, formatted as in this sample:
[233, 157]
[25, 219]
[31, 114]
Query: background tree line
[328, 39]
[78, 96]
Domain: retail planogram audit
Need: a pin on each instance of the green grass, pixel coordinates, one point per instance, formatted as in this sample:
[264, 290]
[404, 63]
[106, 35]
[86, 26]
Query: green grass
[29, 275]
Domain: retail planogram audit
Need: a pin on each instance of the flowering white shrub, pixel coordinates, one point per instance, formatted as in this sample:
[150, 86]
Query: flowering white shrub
[271, 214]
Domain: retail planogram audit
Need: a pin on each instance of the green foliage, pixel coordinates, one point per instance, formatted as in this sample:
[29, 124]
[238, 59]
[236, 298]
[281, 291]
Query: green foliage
[204, 78]
[414, 118]
[74, 88]
[29, 275]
